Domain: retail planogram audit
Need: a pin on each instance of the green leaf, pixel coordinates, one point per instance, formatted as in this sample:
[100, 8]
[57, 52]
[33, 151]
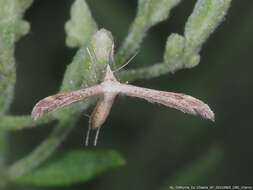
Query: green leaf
[150, 13]
[174, 52]
[205, 18]
[12, 27]
[79, 73]
[81, 25]
[181, 51]
[14, 122]
[83, 72]
[72, 167]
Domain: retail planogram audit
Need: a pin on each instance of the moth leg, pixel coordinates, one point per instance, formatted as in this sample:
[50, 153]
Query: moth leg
[96, 136]
[86, 115]
[87, 136]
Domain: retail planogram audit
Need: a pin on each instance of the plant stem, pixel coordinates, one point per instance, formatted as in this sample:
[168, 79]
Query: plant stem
[20, 122]
[44, 150]
[150, 13]
[12, 27]
[182, 51]
[145, 72]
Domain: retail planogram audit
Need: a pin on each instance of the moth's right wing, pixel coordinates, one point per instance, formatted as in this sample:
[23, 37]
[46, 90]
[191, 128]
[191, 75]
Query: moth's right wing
[54, 102]
[182, 102]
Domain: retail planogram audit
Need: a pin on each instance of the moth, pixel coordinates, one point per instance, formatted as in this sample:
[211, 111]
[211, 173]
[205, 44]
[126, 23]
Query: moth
[107, 91]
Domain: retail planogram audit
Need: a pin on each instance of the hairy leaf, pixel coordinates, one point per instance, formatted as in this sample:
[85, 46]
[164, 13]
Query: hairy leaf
[205, 18]
[81, 25]
[150, 13]
[72, 167]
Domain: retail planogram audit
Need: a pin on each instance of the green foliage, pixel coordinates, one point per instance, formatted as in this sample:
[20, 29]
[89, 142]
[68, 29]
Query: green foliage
[83, 71]
[72, 167]
[206, 16]
[9, 123]
[150, 13]
[67, 118]
[12, 27]
[44, 150]
[81, 22]
[182, 51]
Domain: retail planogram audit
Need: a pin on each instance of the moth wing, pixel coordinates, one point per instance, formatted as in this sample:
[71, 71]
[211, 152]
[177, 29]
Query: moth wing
[182, 102]
[54, 102]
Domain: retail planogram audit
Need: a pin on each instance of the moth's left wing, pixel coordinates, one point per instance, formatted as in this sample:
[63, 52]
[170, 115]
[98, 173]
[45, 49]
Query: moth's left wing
[54, 102]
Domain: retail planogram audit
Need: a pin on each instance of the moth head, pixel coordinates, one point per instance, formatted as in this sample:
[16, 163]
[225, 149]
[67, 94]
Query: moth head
[109, 76]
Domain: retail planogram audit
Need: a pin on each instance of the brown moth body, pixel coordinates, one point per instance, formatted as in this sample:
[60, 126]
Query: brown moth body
[104, 104]
[108, 90]
[101, 111]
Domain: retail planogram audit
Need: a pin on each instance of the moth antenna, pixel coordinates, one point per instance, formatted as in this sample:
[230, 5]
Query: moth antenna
[87, 135]
[95, 56]
[91, 58]
[111, 59]
[122, 66]
[93, 61]
[96, 137]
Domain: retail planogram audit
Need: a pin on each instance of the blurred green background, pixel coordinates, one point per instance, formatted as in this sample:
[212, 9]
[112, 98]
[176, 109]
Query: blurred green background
[162, 146]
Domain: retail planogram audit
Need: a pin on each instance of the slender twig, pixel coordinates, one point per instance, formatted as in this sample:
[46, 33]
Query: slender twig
[12, 27]
[147, 72]
[149, 14]
[44, 150]
[9, 122]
